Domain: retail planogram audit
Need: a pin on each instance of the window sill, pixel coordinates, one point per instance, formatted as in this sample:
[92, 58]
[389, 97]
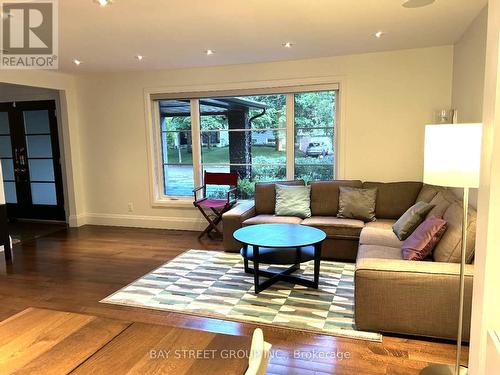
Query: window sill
[174, 202]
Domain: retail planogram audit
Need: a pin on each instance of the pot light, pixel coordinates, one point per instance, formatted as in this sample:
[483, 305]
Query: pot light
[287, 44]
[103, 3]
[417, 3]
[139, 57]
[379, 34]
[76, 62]
[209, 52]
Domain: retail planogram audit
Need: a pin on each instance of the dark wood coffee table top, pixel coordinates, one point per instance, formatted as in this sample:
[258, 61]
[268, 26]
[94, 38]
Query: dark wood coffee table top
[279, 235]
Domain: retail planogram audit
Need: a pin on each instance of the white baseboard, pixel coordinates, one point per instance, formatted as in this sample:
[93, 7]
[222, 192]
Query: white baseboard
[157, 222]
[75, 221]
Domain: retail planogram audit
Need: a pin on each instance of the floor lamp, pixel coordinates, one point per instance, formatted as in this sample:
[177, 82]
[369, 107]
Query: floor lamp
[451, 158]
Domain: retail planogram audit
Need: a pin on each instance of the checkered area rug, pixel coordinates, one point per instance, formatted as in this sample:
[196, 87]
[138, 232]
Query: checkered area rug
[214, 284]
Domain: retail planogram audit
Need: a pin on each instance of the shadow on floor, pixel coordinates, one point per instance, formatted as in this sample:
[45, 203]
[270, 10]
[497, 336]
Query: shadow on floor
[22, 231]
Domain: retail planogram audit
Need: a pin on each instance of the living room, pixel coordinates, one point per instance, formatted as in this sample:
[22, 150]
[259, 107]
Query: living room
[318, 98]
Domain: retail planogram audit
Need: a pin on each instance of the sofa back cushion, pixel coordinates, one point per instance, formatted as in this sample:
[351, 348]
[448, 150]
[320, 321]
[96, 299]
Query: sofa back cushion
[449, 248]
[394, 198]
[325, 196]
[441, 202]
[265, 195]
[428, 192]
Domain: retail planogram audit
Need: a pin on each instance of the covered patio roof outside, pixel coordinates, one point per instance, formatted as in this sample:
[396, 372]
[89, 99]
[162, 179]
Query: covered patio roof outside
[208, 107]
[238, 119]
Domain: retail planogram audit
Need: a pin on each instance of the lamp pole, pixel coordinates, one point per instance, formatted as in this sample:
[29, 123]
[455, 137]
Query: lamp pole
[462, 279]
[439, 369]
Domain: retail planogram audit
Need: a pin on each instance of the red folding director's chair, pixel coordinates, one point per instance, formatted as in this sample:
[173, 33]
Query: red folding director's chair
[213, 208]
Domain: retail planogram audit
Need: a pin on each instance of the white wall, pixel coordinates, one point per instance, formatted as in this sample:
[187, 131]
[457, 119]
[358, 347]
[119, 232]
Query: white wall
[469, 59]
[387, 99]
[11, 93]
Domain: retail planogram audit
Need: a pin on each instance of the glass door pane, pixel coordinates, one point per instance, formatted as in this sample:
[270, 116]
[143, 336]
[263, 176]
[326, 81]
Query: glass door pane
[40, 161]
[9, 183]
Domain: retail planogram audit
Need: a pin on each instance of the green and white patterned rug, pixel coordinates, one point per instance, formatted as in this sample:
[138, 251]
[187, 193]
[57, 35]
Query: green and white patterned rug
[214, 284]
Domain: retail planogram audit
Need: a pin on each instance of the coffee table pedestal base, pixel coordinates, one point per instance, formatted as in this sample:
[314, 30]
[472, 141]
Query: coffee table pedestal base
[275, 256]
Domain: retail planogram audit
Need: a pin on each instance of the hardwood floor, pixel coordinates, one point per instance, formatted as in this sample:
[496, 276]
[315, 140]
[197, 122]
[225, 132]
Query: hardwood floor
[71, 270]
[42, 341]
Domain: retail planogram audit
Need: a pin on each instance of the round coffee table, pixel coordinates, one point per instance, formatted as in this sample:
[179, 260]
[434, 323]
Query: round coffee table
[280, 244]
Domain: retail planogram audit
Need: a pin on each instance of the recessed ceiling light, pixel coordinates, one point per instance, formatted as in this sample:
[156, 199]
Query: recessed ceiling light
[287, 44]
[103, 3]
[379, 34]
[209, 52]
[76, 62]
[417, 3]
[139, 57]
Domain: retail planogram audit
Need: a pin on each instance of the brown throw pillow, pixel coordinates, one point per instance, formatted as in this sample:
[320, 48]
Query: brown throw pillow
[411, 219]
[423, 239]
[356, 203]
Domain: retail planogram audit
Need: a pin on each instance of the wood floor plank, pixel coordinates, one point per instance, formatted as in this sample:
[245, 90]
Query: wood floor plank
[137, 351]
[76, 348]
[232, 351]
[71, 270]
[124, 351]
[38, 337]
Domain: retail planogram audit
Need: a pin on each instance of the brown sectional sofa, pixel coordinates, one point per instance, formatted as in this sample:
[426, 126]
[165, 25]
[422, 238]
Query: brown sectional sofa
[392, 294]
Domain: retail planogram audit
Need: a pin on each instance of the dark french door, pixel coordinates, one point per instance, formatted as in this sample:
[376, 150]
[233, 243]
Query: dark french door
[29, 152]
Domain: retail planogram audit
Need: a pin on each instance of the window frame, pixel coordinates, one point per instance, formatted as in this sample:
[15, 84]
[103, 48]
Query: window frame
[289, 87]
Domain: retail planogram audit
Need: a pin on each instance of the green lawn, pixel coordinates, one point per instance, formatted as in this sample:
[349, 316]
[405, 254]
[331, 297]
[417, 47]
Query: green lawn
[220, 155]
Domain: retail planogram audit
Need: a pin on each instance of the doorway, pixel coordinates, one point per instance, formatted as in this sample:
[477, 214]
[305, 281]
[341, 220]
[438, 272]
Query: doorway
[30, 157]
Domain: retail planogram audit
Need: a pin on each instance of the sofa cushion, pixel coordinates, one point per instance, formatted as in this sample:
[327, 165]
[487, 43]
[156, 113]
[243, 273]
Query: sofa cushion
[379, 237]
[293, 201]
[378, 252]
[441, 202]
[272, 219]
[381, 223]
[428, 192]
[356, 203]
[411, 219]
[265, 195]
[325, 196]
[336, 227]
[394, 198]
[449, 248]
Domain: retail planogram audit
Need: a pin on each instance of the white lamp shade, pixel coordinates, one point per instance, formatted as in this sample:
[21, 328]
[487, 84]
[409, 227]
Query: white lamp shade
[452, 155]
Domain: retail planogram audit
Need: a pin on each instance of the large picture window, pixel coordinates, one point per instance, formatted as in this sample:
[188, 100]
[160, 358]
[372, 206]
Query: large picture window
[246, 134]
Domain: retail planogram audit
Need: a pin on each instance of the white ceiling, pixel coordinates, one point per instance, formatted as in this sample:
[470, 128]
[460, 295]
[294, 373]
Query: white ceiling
[175, 33]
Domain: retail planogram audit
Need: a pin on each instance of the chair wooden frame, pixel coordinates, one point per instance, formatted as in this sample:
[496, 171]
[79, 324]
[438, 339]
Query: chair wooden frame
[213, 209]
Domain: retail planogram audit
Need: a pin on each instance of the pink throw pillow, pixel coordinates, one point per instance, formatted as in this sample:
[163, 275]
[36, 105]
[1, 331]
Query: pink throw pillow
[423, 239]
